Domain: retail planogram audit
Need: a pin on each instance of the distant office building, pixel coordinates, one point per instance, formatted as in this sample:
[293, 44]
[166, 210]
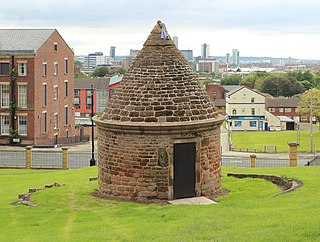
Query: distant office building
[207, 65]
[188, 54]
[128, 60]
[133, 53]
[228, 58]
[94, 59]
[204, 51]
[113, 52]
[235, 57]
[175, 41]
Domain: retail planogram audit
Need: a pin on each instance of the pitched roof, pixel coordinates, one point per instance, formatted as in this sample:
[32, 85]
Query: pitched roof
[159, 87]
[23, 40]
[282, 102]
[115, 79]
[234, 90]
[231, 88]
[86, 82]
[241, 87]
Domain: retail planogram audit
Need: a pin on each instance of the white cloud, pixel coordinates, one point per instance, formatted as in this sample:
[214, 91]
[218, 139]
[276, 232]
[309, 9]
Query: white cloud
[258, 28]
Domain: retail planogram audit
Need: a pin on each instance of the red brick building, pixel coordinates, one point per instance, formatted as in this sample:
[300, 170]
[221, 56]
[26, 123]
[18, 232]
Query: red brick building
[36, 87]
[82, 95]
[217, 94]
[114, 84]
[216, 91]
[286, 107]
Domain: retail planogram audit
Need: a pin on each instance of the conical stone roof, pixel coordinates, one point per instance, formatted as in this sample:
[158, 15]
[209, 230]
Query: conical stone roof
[159, 87]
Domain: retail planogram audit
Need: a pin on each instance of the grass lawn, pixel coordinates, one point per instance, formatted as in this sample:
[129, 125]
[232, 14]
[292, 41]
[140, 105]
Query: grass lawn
[259, 139]
[247, 213]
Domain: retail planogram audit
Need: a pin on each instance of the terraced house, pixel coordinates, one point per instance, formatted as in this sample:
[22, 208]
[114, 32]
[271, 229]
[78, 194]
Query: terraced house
[36, 88]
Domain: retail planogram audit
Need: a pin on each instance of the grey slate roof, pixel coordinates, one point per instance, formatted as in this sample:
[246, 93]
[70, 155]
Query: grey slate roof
[282, 102]
[23, 40]
[220, 102]
[231, 88]
[85, 83]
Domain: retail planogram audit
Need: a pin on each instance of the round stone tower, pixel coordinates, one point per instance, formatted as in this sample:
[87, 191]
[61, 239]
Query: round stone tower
[159, 137]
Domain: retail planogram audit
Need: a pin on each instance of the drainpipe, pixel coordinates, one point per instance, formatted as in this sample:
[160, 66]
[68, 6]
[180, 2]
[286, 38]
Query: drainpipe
[12, 105]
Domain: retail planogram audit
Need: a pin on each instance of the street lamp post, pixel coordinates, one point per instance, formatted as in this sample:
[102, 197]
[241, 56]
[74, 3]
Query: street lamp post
[298, 133]
[311, 112]
[92, 161]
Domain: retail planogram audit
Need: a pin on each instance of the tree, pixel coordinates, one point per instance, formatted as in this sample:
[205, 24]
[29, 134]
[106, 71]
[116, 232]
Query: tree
[231, 80]
[310, 103]
[78, 64]
[306, 84]
[256, 79]
[101, 71]
[281, 85]
[306, 78]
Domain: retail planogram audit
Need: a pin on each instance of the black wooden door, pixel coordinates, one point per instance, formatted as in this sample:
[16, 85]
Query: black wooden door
[184, 170]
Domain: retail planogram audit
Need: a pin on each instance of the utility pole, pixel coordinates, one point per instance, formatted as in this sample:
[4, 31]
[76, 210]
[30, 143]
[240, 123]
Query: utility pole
[92, 161]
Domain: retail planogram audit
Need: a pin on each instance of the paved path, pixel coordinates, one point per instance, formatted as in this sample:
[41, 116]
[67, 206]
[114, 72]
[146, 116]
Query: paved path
[192, 201]
[224, 140]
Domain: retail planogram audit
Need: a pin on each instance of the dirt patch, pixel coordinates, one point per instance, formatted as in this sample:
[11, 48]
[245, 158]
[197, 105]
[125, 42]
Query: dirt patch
[124, 199]
[285, 184]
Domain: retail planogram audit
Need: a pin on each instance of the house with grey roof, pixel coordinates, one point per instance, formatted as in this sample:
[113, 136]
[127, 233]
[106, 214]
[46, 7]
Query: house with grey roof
[286, 107]
[36, 88]
[82, 95]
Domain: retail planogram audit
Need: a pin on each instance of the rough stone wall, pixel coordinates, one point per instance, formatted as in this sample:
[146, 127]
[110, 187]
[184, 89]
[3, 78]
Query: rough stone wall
[138, 167]
[129, 167]
[210, 164]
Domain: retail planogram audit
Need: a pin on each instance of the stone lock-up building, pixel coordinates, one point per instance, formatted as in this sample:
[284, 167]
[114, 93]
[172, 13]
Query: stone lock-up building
[159, 137]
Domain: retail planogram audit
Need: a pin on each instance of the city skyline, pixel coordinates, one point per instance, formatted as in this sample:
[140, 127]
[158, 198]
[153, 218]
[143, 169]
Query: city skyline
[269, 28]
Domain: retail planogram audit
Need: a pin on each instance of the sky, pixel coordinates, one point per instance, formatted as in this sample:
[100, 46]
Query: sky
[264, 28]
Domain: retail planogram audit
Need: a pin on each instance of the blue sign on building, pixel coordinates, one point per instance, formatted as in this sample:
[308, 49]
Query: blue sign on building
[247, 117]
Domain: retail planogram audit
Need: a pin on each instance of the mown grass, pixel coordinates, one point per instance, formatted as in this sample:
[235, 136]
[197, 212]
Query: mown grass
[247, 213]
[260, 139]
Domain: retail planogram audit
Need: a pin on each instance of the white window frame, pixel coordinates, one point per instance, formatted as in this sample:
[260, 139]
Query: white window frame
[55, 121]
[55, 92]
[5, 99]
[66, 65]
[22, 96]
[65, 115]
[44, 69]
[55, 68]
[44, 123]
[5, 127]
[22, 69]
[22, 131]
[66, 88]
[44, 92]
[55, 47]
